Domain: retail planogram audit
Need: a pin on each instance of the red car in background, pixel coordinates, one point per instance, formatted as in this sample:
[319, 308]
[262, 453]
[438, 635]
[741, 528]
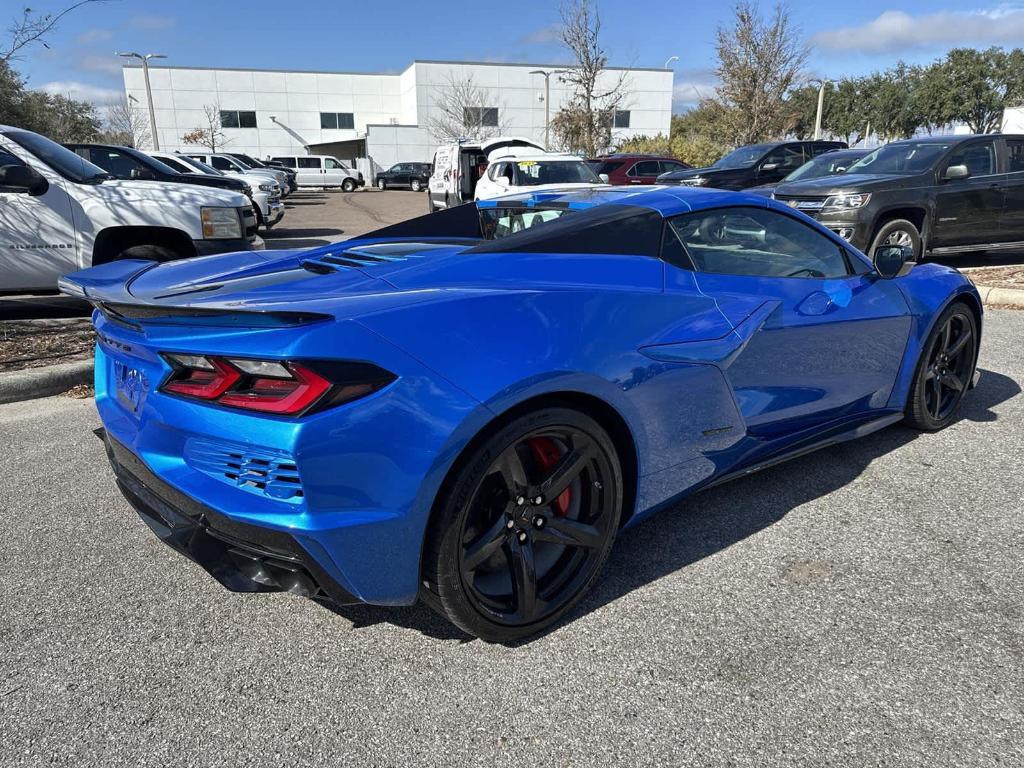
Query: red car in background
[635, 169]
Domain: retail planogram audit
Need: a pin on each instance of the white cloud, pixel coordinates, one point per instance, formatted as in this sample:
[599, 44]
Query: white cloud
[111, 65]
[894, 31]
[82, 91]
[552, 33]
[146, 21]
[695, 85]
[94, 36]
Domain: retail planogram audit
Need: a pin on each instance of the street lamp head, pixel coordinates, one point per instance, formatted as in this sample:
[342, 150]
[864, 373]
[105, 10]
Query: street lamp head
[156, 56]
[670, 60]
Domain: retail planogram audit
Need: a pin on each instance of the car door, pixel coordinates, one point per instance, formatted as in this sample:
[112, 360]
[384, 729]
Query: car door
[833, 333]
[779, 163]
[335, 172]
[1011, 222]
[967, 211]
[309, 171]
[643, 172]
[38, 241]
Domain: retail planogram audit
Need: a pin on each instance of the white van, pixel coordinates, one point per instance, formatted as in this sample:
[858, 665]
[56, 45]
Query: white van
[322, 171]
[230, 165]
[460, 165]
[60, 213]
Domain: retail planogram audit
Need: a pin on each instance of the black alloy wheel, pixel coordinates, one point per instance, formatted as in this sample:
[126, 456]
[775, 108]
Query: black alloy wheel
[945, 371]
[528, 526]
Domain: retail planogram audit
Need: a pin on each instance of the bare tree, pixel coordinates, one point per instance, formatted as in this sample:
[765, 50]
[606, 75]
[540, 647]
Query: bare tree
[126, 124]
[211, 133]
[32, 27]
[585, 124]
[760, 61]
[464, 110]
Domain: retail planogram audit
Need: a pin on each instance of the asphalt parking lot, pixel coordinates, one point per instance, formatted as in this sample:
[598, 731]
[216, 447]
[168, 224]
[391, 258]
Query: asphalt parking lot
[860, 606]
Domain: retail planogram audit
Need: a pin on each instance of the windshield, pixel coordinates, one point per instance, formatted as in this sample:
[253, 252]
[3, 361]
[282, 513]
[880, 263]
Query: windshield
[744, 157]
[828, 164]
[496, 223]
[251, 162]
[531, 173]
[152, 162]
[608, 166]
[61, 159]
[200, 166]
[903, 159]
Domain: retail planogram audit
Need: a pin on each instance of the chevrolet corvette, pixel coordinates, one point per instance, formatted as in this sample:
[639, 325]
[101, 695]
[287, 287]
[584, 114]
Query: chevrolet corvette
[466, 408]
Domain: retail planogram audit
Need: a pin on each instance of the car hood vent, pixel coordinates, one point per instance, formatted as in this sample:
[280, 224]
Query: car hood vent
[376, 254]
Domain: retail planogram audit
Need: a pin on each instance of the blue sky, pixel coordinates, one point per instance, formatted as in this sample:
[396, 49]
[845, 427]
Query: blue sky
[384, 36]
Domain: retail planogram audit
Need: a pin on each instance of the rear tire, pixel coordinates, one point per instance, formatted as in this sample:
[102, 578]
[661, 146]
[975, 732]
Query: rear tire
[382, 185]
[415, 185]
[503, 566]
[897, 232]
[944, 371]
[348, 185]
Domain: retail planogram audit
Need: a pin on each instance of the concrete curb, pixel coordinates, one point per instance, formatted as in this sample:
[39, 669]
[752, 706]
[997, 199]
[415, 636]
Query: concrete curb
[43, 382]
[1006, 297]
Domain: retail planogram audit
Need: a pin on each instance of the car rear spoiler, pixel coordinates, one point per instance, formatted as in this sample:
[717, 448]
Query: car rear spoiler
[106, 287]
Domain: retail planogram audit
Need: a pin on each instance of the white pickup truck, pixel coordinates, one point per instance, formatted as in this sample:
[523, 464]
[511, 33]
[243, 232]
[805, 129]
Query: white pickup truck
[60, 213]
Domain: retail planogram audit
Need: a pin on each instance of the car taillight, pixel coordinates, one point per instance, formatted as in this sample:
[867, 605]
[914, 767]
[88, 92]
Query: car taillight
[285, 388]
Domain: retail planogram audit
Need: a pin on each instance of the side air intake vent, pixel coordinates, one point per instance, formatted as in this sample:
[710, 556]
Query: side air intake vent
[264, 472]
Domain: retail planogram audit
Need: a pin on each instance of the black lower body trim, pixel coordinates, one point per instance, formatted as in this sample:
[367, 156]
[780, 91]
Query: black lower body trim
[242, 557]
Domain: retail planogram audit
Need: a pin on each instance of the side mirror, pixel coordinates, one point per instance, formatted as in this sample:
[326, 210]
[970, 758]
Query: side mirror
[603, 177]
[22, 178]
[956, 172]
[893, 260]
[141, 173]
[769, 166]
[502, 181]
[839, 169]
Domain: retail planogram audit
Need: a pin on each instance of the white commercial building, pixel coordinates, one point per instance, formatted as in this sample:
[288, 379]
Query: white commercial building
[385, 117]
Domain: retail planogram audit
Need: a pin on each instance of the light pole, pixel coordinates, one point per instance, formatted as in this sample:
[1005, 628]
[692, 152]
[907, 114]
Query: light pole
[821, 104]
[670, 60]
[547, 99]
[144, 58]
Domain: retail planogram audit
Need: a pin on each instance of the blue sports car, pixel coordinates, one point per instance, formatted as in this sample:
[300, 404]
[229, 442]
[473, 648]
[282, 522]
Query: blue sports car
[465, 408]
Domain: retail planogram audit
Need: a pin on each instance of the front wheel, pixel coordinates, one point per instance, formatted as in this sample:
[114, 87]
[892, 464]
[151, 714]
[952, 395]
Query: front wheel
[525, 527]
[148, 252]
[415, 185]
[348, 185]
[944, 371]
[897, 232]
[381, 184]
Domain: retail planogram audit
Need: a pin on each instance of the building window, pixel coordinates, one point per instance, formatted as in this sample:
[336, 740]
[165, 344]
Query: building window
[484, 116]
[343, 120]
[621, 119]
[232, 118]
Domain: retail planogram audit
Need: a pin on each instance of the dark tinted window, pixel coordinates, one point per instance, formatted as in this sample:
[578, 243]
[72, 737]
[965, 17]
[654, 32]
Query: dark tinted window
[758, 242]
[485, 116]
[1015, 154]
[979, 157]
[611, 229]
[672, 250]
[221, 163]
[178, 166]
[788, 156]
[342, 120]
[646, 168]
[608, 166]
[61, 159]
[116, 163]
[621, 119]
[233, 118]
[309, 162]
[667, 166]
[287, 162]
[6, 158]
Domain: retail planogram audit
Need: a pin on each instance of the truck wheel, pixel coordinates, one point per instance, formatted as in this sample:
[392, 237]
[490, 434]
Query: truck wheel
[414, 185]
[348, 185]
[430, 203]
[149, 253]
[897, 232]
[381, 184]
[261, 223]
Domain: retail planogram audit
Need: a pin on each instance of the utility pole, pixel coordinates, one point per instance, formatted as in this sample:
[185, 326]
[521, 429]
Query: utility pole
[144, 58]
[670, 60]
[821, 104]
[547, 100]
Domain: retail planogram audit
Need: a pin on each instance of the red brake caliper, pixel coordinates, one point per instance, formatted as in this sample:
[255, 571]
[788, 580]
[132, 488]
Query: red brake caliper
[547, 454]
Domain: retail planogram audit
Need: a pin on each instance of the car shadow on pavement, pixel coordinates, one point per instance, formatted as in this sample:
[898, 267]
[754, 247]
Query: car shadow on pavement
[712, 520]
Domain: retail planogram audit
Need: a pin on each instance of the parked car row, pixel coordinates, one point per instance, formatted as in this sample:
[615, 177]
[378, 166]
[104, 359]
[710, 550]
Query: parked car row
[60, 211]
[935, 195]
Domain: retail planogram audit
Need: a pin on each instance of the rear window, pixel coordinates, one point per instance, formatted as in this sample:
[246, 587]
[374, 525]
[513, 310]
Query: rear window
[608, 166]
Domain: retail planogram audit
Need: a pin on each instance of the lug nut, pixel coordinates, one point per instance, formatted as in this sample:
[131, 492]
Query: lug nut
[520, 500]
[522, 535]
[537, 501]
[510, 524]
[538, 522]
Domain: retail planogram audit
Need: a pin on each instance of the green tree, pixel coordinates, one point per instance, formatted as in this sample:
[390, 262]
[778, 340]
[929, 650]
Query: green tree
[972, 87]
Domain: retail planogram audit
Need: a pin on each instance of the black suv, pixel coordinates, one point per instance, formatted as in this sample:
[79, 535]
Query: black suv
[128, 163]
[943, 194]
[753, 165]
[412, 175]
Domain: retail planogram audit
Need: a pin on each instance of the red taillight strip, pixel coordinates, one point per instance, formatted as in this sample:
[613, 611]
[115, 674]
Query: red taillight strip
[308, 387]
[205, 385]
